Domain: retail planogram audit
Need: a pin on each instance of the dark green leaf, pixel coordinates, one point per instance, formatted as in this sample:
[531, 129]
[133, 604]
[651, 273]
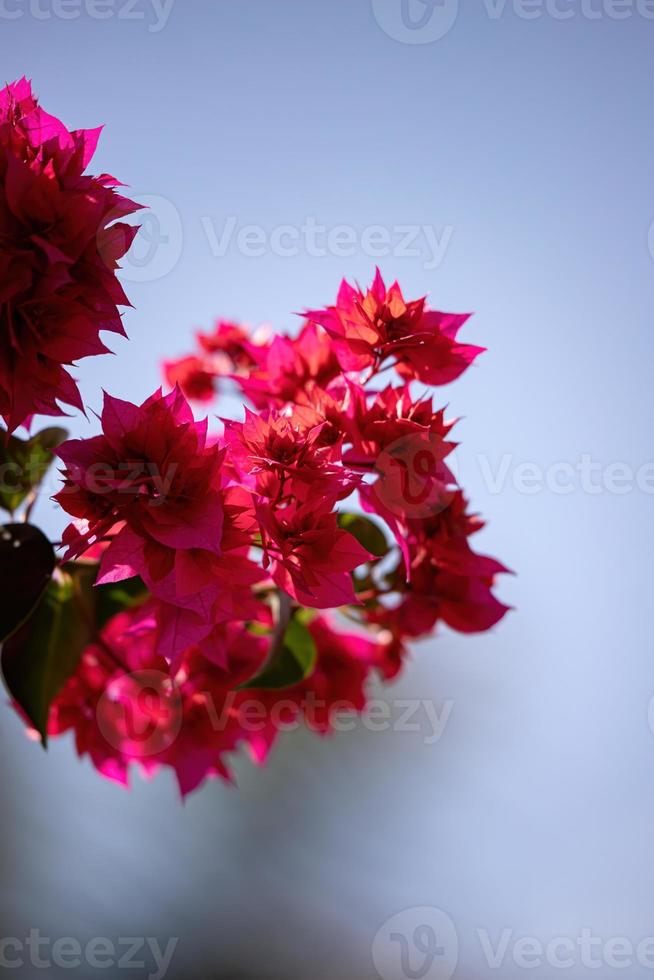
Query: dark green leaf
[39, 657]
[292, 663]
[367, 533]
[42, 655]
[27, 560]
[24, 464]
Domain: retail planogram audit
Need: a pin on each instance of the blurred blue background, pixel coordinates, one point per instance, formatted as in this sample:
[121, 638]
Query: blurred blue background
[520, 138]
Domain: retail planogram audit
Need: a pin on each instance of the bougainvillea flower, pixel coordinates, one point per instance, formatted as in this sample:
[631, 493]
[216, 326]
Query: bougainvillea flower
[330, 407]
[201, 590]
[287, 365]
[449, 581]
[464, 602]
[375, 425]
[225, 350]
[127, 709]
[79, 528]
[60, 242]
[231, 340]
[154, 470]
[401, 443]
[282, 456]
[344, 664]
[236, 539]
[193, 375]
[368, 328]
[309, 556]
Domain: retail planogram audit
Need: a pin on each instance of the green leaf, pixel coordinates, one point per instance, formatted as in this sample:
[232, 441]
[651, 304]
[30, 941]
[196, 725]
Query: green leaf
[292, 663]
[367, 533]
[39, 658]
[66, 615]
[24, 464]
[27, 560]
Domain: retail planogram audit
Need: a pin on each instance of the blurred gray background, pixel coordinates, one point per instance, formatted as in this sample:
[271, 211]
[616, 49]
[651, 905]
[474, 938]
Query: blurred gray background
[520, 136]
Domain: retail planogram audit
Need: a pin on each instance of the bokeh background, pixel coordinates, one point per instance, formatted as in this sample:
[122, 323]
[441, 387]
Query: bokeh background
[521, 136]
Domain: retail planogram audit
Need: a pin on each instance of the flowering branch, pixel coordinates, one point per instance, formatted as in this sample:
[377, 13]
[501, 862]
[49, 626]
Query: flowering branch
[204, 572]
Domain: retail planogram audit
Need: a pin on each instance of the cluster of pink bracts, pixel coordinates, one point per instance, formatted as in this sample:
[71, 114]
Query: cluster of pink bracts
[243, 534]
[59, 247]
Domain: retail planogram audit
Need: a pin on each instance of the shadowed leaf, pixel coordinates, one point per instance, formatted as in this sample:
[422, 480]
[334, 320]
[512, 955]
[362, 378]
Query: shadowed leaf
[27, 560]
[367, 533]
[40, 657]
[292, 663]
